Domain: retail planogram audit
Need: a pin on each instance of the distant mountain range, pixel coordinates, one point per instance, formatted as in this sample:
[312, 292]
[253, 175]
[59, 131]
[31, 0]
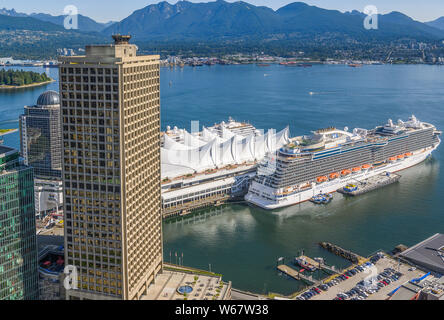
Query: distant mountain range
[240, 20]
[186, 25]
[85, 23]
[221, 20]
[14, 23]
[438, 23]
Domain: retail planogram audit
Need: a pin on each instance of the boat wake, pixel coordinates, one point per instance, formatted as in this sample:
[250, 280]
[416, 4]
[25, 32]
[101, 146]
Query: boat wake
[313, 93]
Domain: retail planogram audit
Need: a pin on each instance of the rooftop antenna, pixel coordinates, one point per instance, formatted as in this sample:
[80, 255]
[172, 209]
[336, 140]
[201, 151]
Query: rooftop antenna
[121, 39]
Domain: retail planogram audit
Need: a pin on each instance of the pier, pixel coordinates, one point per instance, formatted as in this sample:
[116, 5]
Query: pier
[371, 184]
[319, 264]
[297, 275]
[195, 205]
[346, 254]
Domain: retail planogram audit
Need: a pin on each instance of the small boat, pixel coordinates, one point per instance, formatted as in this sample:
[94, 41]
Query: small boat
[408, 154]
[322, 198]
[356, 170]
[304, 264]
[355, 65]
[263, 65]
[345, 172]
[393, 159]
[366, 166]
[400, 157]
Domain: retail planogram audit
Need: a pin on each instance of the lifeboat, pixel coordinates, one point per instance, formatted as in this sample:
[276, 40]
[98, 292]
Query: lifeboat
[321, 179]
[345, 172]
[408, 154]
[366, 166]
[400, 157]
[334, 175]
[357, 169]
[393, 159]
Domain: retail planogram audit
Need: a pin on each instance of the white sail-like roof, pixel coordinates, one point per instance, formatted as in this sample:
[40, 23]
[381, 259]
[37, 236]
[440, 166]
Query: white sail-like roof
[207, 135]
[171, 144]
[209, 151]
[192, 141]
[283, 138]
[222, 153]
[244, 147]
[205, 156]
[260, 147]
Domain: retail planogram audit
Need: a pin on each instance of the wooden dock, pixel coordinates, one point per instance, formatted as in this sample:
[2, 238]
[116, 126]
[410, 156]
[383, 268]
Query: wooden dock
[310, 261]
[319, 265]
[297, 275]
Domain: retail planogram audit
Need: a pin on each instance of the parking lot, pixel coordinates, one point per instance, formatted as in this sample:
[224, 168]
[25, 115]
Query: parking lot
[373, 280]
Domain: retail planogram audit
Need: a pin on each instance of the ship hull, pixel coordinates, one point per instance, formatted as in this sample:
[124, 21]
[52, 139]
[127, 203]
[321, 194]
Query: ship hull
[333, 186]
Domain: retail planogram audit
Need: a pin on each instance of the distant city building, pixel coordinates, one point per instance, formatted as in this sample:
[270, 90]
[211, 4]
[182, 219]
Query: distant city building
[40, 139]
[110, 105]
[48, 197]
[40, 136]
[18, 247]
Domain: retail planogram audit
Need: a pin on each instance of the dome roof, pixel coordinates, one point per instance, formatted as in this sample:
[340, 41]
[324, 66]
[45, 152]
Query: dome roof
[48, 98]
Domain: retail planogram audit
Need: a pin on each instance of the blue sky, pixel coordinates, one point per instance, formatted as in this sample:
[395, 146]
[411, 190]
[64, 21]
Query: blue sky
[105, 10]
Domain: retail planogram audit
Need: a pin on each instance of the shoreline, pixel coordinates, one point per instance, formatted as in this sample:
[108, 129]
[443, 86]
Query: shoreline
[5, 87]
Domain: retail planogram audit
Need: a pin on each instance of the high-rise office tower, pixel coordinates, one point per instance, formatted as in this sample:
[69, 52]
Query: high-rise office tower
[18, 244]
[41, 148]
[40, 136]
[110, 106]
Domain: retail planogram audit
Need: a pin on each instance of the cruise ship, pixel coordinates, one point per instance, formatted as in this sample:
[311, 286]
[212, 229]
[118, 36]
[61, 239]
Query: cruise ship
[330, 159]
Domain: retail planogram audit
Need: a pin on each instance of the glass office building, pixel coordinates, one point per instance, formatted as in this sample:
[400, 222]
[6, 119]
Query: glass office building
[18, 247]
[40, 136]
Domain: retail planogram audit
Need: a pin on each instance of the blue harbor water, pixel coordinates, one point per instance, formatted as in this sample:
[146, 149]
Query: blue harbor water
[243, 243]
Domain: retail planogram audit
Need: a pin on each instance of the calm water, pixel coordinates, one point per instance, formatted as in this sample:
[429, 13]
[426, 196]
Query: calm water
[243, 243]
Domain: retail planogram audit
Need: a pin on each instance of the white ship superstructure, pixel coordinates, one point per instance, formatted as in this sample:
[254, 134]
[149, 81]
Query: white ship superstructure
[329, 159]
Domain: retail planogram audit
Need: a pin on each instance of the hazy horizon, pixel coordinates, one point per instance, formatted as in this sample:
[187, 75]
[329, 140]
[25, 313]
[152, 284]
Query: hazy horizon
[113, 11]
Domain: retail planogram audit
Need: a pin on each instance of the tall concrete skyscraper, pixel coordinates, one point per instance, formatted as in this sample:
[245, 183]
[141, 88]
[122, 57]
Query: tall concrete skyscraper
[110, 105]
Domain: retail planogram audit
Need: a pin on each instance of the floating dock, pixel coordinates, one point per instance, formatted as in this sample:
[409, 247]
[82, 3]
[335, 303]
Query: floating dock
[370, 184]
[297, 275]
[319, 265]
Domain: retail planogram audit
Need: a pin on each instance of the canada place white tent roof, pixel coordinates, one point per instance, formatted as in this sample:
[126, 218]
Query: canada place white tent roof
[197, 153]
